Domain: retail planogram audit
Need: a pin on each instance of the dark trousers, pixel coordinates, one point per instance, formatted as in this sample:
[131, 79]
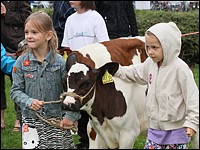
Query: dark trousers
[82, 128]
[3, 94]
[3, 97]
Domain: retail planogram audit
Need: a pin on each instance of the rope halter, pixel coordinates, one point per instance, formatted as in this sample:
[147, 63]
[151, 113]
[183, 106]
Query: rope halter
[55, 121]
[76, 96]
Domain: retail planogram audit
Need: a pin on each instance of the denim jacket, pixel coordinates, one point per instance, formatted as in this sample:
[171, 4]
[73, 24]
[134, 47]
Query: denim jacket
[43, 81]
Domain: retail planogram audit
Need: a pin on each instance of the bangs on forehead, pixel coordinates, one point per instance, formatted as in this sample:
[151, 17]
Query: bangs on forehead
[38, 25]
[43, 24]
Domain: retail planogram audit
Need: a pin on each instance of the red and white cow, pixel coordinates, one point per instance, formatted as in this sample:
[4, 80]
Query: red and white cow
[116, 108]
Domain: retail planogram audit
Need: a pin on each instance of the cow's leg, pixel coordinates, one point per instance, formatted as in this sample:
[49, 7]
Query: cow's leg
[195, 141]
[99, 143]
[127, 139]
[95, 142]
[130, 133]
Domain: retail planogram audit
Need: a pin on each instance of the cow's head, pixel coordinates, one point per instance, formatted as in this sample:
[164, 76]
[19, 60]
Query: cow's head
[80, 81]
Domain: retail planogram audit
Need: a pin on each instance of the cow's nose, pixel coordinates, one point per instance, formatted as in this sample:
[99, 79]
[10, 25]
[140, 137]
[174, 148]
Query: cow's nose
[71, 106]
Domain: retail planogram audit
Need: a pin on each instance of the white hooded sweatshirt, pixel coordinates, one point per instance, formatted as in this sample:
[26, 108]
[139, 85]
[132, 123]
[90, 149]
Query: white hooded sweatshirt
[172, 100]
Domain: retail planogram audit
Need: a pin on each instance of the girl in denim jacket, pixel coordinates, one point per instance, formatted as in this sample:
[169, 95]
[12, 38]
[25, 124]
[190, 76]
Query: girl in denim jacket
[37, 78]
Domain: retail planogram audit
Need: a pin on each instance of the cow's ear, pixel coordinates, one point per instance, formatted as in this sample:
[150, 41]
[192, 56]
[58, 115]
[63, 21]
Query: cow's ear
[111, 67]
[71, 60]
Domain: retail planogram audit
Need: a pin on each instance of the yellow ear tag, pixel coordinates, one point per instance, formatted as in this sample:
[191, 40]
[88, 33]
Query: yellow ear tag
[65, 56]
[107, 78]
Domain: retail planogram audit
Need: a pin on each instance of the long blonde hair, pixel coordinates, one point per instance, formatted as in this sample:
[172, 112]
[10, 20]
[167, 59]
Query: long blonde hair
[43, 22]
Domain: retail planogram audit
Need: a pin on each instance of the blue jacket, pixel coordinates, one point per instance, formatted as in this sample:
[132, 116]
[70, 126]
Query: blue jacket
[6, 61]
[43, 81]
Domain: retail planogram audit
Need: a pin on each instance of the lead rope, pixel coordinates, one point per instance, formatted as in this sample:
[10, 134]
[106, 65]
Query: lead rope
[56, 122]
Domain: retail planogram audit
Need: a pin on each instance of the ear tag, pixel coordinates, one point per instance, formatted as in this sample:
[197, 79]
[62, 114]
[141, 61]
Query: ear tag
[107, 78]
[65, 56]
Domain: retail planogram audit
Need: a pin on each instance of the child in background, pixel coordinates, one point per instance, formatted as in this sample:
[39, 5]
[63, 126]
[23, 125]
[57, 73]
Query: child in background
[85, 26]
[6, 61]
[37, 78]
[173, 97]
[6, 66]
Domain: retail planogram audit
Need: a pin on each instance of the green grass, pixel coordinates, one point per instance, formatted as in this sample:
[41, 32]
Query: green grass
[12, 140]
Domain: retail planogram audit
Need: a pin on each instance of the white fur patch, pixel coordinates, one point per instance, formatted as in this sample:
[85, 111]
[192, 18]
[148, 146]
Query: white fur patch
[78, 68]
[142, 38]
[69, 100]
[136, 58]
[95, 52]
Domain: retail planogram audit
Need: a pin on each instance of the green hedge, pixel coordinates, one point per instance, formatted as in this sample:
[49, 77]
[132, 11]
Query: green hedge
[186, 21]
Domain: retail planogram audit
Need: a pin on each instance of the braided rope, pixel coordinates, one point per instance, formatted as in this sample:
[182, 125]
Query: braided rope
[56, 122]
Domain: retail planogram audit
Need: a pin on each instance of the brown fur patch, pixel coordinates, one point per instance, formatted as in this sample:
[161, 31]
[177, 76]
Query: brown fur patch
[123, 50]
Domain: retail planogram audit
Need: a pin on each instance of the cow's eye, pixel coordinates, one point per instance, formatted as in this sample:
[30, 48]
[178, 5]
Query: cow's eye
[85, 84]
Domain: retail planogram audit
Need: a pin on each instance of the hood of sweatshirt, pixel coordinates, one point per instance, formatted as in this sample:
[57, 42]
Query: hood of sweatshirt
[169, 36]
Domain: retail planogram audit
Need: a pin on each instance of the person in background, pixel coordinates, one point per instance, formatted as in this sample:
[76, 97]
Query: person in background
[119, 17]
[37, 79]
[13, 15]
[7, 62]
[173, 97]
[6, 66]
[61, 11]
[85, 26]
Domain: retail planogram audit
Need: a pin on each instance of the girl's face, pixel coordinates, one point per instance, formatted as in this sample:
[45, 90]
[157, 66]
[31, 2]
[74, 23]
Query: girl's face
[36, 39]
[154, 49]
[75, 4]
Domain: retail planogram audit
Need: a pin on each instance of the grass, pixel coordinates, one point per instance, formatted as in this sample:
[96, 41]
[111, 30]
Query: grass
[12, 140]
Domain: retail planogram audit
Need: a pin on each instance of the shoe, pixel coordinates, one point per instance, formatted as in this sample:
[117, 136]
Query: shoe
[16, 129]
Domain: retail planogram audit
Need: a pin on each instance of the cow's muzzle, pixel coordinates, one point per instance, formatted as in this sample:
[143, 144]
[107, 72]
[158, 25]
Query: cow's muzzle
[78, 100]
[71, 106]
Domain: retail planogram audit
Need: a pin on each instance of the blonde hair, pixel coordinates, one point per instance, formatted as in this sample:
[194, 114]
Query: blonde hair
[43, 22]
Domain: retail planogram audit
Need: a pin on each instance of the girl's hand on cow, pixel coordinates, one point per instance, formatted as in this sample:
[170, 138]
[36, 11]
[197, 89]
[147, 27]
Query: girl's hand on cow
[190, 132]
[65, 123]
[36, 104]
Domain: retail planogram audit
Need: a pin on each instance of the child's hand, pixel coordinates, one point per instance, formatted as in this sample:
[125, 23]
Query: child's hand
[36, 104]
[66, 123]
[190, 132]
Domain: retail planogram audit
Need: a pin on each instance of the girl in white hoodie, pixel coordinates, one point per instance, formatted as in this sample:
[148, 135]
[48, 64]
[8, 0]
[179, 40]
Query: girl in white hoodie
[172, 100]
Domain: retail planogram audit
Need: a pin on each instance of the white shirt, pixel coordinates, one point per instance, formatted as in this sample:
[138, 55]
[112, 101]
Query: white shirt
[84, 29]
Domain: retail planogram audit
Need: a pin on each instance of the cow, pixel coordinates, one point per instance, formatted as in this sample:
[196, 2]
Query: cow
[116, 107]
